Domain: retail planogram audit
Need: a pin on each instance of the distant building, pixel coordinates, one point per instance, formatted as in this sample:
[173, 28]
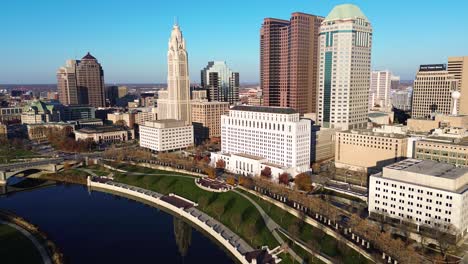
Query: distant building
[380, 87]
[426, 193]
[402, 99]
[447, 145]
[76, 112]
[344, 72]
[458, 67]
[381, 118]
[166, 135]
[432, 92]
[322, 144]
[174, 103]
[90, 122]
[39, 112]
[39, 131]
[395, 82]
[221, 83]
[126, 119]
[81, 82]
[289, 55]
[209, 115]
[105, 134]
[368, 150]
[277, 134]
[10, 114]
[439, 121]
[199, 94]
[3, 132]
[144, 115]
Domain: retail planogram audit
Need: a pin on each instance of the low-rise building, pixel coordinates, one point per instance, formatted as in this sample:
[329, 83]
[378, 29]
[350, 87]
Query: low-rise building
[105, 134]
[38, 112]
[126, 119]
[381, 118]
[39, 131]
[425, 192]
[369, 150]
[248, 165]
[209, 115]
[426, 125]
[166, 135]
[150, 114]
[448, 145]
[76, 112]
[322, 143]
[9, 114]
[91, 122]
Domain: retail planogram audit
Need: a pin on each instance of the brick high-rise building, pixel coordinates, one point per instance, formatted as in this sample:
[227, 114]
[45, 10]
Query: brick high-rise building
[81, 82]
[289, 61]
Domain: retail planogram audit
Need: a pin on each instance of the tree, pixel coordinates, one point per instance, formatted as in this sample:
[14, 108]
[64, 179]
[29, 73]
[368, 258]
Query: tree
[266, 173]
[316, 168]
[203, 202]
[283, 178]
[218, 209]
[121, 123]
[236, 220]
[303, 182]
[220, 164]
[210, 172]
[231, 180]
[445, 236]
[246, 182]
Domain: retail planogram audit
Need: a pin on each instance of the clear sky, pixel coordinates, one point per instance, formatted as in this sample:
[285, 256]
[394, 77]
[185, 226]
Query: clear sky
[129, 38]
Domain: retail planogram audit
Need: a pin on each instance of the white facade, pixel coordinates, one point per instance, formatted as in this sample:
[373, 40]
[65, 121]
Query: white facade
[344, 71]
[424, 192]
[166, 135]
[274, 133]
[174, 103]
[380, 87]
[248, 165]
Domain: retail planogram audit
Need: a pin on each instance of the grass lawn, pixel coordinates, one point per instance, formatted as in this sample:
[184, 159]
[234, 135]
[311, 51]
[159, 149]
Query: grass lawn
[323, 242]
[16, 248]
[308, 258]
[232, 203]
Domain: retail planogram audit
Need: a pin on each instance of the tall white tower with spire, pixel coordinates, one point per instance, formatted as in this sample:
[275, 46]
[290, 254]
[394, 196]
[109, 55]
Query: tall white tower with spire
[174, 103]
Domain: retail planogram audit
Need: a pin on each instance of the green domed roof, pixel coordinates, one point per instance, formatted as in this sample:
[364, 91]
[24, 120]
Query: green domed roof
[345, 11]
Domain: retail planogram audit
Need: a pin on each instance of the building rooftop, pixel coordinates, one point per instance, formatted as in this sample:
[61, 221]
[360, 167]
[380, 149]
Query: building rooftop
[88, 56]
[370, 132]
[345, 11]
[447, 140]
[244, 155]
[84, 120]
[429, 167]
[165, 123]
[101, 129]
[265, 109]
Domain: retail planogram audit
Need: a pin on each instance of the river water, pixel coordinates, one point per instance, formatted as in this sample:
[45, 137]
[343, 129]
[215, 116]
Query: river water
[102, 228]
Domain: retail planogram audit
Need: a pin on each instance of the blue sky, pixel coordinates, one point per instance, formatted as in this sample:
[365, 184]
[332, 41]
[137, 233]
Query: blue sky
[130, 38]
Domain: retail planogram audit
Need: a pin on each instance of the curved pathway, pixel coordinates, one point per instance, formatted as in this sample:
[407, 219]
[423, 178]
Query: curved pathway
[42, 251]
[271, 225]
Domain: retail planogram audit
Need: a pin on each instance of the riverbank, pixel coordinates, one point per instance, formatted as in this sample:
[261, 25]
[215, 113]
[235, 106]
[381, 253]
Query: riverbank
[16, 247]
[48, 251]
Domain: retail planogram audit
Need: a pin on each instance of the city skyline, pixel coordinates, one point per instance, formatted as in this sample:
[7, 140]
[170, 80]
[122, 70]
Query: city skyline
[133, 50]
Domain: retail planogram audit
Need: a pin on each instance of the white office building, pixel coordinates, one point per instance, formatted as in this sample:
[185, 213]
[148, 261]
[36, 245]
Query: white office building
[273, 133]
[344, 71]
[166, 135]
[380, 87]
[424, 192]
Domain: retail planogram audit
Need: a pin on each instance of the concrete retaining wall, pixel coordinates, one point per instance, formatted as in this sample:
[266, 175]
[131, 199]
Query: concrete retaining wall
[174, 210]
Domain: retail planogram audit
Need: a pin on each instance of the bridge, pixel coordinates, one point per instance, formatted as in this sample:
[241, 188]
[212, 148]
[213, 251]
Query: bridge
[9, 170]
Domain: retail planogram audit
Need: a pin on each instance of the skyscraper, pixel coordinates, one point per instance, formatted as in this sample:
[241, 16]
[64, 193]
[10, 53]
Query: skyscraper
[288, 61]
[344, 73]
[81, 82]
[432, 92]
[380, 87]
[174, 103]
[458, 66]
[221, 83]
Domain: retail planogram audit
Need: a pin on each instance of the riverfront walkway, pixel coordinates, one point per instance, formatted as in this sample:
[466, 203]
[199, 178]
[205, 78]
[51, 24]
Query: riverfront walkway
[40, 248]
[235, 244]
